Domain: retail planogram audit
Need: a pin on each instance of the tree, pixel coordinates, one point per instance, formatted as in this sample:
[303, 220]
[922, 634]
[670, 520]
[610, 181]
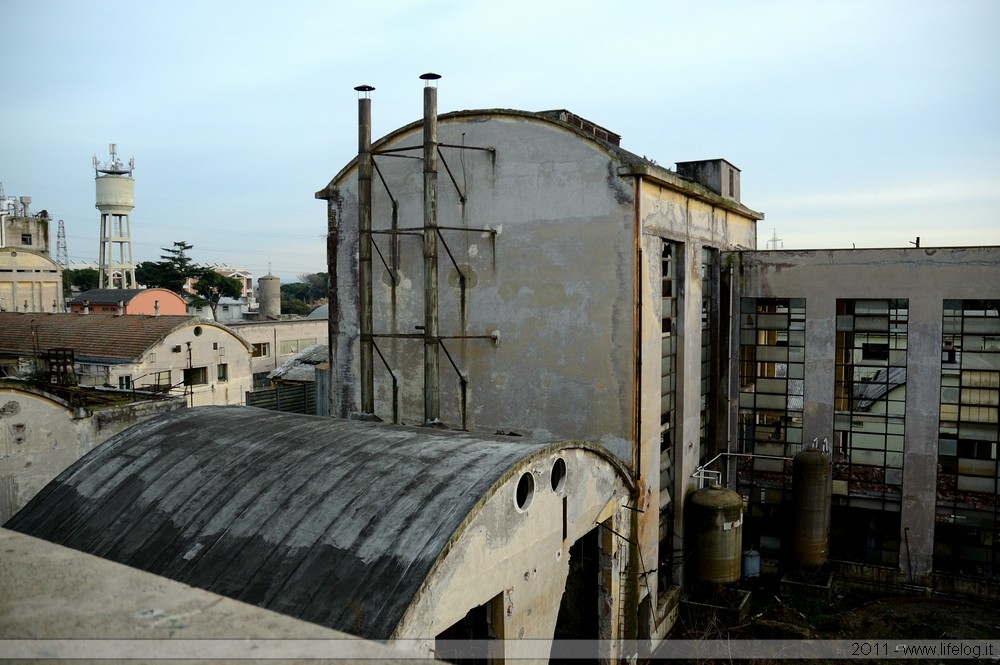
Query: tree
[295, 307]
[318, 284]
[83, 279]
[295, 291]
[172, 271]
[212, 287]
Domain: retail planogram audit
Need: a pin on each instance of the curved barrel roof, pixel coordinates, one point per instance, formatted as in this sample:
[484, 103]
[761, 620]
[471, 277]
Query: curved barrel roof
[331, 521]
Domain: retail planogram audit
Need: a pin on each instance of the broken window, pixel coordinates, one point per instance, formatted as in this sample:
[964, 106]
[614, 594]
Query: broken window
[967, 525]
[869, 417]
[195, 376]
[772, 370]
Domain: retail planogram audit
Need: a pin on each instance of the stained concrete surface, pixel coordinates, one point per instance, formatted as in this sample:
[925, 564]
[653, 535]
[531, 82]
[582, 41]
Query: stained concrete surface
[55, 601]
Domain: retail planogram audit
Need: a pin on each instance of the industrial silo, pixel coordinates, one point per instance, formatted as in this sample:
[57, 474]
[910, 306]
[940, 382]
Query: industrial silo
[717, 519]
[269, 295]
[811, 498]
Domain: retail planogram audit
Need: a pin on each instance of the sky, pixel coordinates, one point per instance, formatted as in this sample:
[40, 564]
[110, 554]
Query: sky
[855, 123]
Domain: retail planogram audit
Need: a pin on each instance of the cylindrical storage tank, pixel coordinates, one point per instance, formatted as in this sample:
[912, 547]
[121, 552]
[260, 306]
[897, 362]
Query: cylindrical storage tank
[115, 192]
[811, 498]
[269, 294]
[717, 518]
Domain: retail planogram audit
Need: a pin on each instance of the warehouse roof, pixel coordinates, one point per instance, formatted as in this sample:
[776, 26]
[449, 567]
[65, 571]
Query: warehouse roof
[122, 337]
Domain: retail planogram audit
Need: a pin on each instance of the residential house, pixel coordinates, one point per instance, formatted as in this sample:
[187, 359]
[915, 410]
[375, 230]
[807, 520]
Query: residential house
[149, 302]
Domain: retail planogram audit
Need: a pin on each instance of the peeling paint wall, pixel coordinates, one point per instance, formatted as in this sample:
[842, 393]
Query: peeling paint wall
[555, 283]
[523, 555]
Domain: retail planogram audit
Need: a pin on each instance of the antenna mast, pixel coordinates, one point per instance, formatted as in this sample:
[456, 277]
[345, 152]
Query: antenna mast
[62, 251]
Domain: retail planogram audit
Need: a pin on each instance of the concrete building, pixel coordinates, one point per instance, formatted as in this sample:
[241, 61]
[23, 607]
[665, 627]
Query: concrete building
[592, 316]
[570, 289]
[889, 359]
[30, 281]
[148, 302]
[44, 430]
[273, 343]
[204, 361]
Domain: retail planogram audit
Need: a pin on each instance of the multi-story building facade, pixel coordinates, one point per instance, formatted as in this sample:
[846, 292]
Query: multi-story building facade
[569, 289]
[890, 360]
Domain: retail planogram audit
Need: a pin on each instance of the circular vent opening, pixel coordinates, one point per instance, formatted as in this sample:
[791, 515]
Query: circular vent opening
[558, 475]
[525, 490]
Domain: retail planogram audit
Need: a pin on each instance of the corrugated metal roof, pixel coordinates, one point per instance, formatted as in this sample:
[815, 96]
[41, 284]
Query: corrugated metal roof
[331, 521]
[124, 337]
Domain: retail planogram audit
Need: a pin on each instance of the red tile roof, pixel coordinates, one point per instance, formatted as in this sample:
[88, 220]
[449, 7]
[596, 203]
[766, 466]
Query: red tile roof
[124, 337]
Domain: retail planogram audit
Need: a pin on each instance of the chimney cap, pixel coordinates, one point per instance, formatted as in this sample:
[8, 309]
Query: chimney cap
[430, 76]
[364, 88]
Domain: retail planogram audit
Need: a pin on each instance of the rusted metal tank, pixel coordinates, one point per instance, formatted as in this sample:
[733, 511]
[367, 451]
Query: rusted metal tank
[717, 517]
[811, 499]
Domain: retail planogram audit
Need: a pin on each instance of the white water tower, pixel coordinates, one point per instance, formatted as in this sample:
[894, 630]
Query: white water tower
[115, 200]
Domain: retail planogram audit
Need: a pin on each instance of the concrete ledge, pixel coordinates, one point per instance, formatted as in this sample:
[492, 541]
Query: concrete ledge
[52, 598]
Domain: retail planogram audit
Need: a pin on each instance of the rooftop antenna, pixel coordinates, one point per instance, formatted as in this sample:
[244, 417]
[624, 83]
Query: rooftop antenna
[775, 242]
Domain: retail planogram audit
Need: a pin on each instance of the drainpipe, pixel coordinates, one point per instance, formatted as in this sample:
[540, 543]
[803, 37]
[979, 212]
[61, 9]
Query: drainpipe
[365, 247]
[432, 397]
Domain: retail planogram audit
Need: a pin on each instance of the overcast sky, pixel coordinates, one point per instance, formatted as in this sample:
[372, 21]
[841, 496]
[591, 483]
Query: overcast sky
[855, 122]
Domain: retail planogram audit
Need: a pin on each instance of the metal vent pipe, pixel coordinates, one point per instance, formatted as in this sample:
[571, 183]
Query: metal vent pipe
[365, 248]
[432, 397]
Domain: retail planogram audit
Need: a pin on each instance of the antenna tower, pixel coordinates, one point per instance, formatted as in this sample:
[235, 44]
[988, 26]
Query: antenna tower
[62, 252]
[775, 242]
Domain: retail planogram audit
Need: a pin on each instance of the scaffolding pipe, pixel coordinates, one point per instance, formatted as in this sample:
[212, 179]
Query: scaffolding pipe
[365, 249]
[432, 397]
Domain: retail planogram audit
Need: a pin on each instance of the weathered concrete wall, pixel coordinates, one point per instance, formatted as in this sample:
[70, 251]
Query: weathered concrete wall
[30, 277]
[556, 283]
[523, 554]
[41, 435]
[925, 277]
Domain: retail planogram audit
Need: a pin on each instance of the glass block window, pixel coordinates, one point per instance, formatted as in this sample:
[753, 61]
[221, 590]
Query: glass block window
[869, 415]
[967, 528]
[772, 367]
